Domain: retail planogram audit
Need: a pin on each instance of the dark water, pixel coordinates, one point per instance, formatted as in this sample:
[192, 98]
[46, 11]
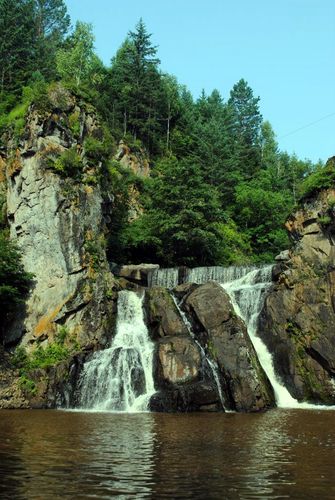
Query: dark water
[279, 454]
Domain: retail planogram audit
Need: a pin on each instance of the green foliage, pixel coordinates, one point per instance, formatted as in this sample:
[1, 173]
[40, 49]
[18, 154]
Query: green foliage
[55, 352]
[27, 385]
[324, 220]
[180, 225]
[67, 164]
[95, 248]
[323, 177]
[14, 281]
[96, 150]
[15, 119]
[262, 213]
[78, 62]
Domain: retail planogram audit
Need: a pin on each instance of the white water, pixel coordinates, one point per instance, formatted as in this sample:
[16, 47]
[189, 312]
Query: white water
[212, 364]
[247, 294]
[202, 275]
[167, 277]
[120, 378]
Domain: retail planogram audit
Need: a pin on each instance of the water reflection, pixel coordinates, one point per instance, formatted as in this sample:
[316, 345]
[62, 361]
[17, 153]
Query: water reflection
[77, 455]
[279, 454]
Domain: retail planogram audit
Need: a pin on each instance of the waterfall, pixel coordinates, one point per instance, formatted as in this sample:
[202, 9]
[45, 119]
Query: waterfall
[247, 294]
[211, 364]
[120, 378]
[167, 278]
[202, 275]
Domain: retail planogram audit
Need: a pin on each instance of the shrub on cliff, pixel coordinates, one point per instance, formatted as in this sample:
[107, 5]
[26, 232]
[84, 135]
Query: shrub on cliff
[321, 178]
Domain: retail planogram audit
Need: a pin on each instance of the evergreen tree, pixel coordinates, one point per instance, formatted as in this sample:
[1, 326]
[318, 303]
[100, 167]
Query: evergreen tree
[52, 23]
[17, 44]
[181, 225]
[246, 123]
[136, 88]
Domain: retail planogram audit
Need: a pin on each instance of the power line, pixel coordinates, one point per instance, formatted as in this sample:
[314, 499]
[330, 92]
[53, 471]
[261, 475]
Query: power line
[308, 125]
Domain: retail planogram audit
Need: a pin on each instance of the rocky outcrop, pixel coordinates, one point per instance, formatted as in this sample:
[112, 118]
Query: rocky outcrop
[298, 320]
[162, 314]
[181, 378]
[189, 346]
[134, 159]
[135, 273]
[58, 222]
[11, 393]
[226, 339]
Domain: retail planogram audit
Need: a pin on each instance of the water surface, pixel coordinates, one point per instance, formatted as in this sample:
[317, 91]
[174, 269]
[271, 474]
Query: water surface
[278, 454]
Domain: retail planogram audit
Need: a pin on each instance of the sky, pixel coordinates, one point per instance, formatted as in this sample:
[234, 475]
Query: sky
[285, 49]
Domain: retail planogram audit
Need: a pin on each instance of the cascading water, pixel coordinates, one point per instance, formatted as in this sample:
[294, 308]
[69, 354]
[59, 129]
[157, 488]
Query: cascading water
[202, 275]
[247, 294]
[120, 378]
[211, 364]
[167, 277]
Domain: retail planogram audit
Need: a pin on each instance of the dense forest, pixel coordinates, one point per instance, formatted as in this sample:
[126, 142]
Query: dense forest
[219, 190]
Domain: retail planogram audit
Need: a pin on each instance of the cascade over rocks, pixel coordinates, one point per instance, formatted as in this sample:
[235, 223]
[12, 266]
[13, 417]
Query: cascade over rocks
[226, 337]
[183, 376]
[298, 320]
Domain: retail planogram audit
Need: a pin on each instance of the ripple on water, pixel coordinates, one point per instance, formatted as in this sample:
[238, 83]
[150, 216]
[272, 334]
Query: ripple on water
[278, 454]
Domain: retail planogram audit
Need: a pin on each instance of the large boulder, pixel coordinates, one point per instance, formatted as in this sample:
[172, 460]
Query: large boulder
[163, 317]
[216, 323]
[298, 320]
[136, 273]
[179, 361]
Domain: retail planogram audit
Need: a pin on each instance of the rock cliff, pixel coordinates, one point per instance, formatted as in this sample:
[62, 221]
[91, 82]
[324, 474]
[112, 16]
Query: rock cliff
[298, 319]
[57, 221]
[58, 216]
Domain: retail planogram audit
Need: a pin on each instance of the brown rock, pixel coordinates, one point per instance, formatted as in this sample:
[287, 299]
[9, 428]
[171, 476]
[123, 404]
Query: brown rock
[246, 385]
[298, 320]
[179, 360]
[162, 314]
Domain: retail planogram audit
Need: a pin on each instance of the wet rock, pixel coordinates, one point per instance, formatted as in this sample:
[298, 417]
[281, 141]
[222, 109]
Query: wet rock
[178, 361]
[163, 317]
[245, 383]
[197, 396]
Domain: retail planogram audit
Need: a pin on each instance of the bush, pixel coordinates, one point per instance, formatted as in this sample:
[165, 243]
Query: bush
[68, 164]
[321, 178]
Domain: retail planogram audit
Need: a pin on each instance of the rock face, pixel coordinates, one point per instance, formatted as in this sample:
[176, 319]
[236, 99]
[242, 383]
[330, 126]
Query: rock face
[58, 223]
[162, 314]
[186, 354]
[135, 159]
[225, 336]
[11, 394]
[179, 372]
[298, 320]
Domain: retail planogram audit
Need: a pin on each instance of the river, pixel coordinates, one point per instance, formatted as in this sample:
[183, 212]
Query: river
[58, 454]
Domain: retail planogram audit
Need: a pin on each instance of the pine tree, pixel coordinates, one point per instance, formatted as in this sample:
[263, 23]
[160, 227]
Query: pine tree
[245, 127]
[17, 44]
[52, 22]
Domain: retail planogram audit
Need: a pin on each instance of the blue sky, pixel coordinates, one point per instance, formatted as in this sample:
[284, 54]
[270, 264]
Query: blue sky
[285, 49]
